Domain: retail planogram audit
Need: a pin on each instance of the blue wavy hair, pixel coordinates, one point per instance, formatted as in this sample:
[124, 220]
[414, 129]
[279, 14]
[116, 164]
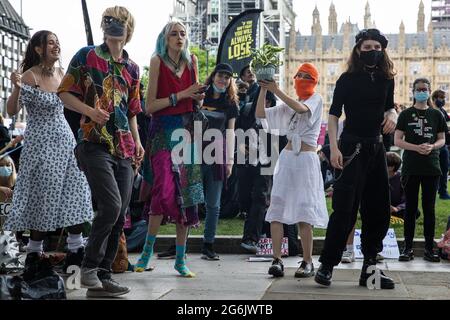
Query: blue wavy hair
[161, 44]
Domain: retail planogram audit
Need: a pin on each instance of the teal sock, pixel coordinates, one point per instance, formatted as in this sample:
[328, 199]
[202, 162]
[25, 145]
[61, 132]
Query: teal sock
[146, 254]
[180, 262]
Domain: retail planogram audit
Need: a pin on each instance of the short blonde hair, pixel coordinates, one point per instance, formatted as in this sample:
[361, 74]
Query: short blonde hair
[122, 14]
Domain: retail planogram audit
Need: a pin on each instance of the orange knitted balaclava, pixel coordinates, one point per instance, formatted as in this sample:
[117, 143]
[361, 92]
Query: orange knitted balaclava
[306, 88]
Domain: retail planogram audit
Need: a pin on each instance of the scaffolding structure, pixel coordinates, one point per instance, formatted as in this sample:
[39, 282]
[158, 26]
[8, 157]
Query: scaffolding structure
[440, 14]
[207, 20]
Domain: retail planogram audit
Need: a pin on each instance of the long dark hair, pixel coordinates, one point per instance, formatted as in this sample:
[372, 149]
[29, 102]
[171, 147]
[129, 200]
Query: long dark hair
[385, 66]
[232, 96]
[426, 81]
[32, 58]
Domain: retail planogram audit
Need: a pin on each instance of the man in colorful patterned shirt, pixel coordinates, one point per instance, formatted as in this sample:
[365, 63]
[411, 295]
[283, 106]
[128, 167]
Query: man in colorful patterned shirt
[102, 84]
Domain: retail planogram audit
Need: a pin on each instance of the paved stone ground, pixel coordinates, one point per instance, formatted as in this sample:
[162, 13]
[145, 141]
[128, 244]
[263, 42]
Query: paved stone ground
[233, 278]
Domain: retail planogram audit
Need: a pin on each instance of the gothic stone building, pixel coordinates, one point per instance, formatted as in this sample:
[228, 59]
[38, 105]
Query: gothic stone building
[422, 54]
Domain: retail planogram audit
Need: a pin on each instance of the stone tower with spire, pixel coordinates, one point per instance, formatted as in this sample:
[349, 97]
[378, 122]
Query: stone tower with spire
[316, 28]
[421, 18]
[415, 54]
[332, 20]
[368, 17]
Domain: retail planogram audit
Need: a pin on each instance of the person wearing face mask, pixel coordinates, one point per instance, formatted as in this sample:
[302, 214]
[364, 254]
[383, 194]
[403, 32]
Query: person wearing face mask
[244, 98]
[102, 84]
[8, 176]
[254, 187]
[221, 106]
[438, 99]
[366, 92]
[421, 132]
[297, 195]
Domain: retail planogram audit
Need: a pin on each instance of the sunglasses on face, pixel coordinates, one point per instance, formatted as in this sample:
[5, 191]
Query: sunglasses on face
[108, 20]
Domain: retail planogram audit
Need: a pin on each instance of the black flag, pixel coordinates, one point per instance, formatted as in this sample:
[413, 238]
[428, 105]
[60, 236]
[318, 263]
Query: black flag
[73, 118]
[87, 24]
[238, 39]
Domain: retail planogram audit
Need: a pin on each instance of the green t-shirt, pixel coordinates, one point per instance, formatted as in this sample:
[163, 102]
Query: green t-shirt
[421, 126]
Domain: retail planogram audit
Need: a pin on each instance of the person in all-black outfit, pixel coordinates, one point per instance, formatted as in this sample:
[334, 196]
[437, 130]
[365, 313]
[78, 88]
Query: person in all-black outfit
[366, 91]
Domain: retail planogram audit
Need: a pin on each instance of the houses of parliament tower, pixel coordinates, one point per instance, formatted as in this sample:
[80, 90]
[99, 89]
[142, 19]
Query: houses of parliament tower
[425, 53]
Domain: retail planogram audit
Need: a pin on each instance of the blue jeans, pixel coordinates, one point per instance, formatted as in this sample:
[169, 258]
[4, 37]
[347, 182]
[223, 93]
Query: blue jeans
[136, 236]
[213, 191]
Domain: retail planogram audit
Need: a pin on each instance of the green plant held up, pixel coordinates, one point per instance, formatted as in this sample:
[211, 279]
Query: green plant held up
[266, 55]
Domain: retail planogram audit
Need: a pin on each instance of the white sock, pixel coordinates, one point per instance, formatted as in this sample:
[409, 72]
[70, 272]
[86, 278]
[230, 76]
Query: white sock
[350, 247]
[74, 242]
[35, 246]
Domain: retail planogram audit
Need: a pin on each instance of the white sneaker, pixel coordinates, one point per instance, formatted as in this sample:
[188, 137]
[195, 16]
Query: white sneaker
[348, 256]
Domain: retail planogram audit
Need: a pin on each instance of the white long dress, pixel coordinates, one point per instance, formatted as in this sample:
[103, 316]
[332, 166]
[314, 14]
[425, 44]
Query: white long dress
[51, 192]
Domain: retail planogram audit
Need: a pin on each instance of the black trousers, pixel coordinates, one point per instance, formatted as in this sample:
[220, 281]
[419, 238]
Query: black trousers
[254, 197]
[363, 185]
[429, 186]
[111, 182]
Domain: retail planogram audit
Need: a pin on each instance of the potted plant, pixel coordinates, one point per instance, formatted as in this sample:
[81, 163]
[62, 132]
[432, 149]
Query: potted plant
[265, 60]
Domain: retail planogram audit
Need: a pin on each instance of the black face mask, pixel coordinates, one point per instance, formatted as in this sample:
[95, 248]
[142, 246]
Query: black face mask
[243, 96]
[113, 27]
[440, 103]
[371, 58]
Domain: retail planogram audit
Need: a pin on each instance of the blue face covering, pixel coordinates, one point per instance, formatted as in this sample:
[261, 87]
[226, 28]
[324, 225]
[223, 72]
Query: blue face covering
[217, 90]
[421, 96]
[5, 171]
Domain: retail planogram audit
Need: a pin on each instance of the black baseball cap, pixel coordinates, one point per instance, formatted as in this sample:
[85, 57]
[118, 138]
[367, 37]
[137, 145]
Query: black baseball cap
[372, 34]
[224, 68]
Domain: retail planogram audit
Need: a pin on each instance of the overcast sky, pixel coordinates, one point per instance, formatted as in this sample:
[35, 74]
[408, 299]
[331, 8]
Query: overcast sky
[64, 17]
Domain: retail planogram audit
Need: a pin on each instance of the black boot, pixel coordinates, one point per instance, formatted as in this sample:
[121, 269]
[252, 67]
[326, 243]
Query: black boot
[385, 282]
[36, 266]
[431, 255]
[31, 266]
[324, 275]
[277, 268]
[73, 259]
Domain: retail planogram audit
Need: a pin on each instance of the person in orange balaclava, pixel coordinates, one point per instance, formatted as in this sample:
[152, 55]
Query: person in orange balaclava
[297, 193]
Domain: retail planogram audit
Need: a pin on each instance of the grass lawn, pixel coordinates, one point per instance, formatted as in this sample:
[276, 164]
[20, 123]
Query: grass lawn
[235, 226]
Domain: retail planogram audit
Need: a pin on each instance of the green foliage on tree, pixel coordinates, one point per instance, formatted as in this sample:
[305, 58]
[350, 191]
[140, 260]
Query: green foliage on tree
[145, 77]
[201, 57]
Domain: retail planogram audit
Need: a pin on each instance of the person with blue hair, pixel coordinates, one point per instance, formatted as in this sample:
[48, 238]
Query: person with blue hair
[172, 189]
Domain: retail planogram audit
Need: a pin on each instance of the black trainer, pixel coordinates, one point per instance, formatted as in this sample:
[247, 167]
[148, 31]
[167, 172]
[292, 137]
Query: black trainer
[406, 255]
[208, 252]
[324, 275]
[73, 259]
[277, 268]
[431, 255]
[385, 281]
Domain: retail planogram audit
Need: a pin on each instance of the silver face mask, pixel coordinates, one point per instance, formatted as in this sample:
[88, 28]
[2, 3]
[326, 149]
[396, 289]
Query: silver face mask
[113, 27]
